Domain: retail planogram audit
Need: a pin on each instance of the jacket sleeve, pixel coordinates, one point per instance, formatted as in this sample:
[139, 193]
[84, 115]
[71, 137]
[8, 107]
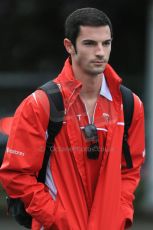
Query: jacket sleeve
[24, 156]
[131, 177]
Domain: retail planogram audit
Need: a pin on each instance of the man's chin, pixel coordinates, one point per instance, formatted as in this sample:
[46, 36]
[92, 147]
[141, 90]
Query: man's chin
[98, 71]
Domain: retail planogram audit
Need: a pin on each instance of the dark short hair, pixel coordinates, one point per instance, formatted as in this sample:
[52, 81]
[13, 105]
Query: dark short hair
[85, 17]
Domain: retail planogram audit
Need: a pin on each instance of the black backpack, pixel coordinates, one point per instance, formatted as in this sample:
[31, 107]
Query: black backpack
[16, 206]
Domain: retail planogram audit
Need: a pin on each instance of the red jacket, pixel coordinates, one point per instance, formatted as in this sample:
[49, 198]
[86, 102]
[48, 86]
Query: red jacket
[84, 194]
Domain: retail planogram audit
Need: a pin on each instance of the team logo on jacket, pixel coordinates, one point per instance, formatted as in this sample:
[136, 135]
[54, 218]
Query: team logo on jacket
[106, 116]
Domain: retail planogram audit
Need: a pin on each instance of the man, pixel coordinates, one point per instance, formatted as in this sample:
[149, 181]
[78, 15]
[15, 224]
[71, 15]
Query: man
[87, 183]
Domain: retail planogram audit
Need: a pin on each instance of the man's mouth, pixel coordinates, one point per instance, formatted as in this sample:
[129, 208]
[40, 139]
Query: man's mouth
[99, 62]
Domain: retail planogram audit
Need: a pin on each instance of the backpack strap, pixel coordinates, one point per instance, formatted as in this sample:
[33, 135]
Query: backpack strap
[55, 121]
[128, 108]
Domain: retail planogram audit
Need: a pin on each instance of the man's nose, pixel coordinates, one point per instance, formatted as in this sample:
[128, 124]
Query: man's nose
[100, 50]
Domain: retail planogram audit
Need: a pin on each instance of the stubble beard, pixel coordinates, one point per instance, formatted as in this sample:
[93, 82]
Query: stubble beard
[94, 72]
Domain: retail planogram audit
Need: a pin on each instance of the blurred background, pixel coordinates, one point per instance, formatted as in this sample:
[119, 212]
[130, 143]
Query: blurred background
[32, 52]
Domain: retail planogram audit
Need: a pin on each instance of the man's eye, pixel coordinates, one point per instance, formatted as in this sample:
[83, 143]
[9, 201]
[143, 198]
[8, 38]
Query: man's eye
[107, 43]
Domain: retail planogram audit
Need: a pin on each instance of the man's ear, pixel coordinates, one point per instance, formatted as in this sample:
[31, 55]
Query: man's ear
[69, 46]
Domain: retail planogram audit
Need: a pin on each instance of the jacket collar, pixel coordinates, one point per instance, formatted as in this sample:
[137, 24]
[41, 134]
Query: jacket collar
[71, 86]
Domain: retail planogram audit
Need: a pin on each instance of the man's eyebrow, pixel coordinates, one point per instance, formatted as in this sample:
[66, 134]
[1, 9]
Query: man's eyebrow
[108, 40]
[89, 40]
[92, 40]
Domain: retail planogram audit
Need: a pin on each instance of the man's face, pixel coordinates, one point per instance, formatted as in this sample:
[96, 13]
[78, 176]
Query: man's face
[93, 47]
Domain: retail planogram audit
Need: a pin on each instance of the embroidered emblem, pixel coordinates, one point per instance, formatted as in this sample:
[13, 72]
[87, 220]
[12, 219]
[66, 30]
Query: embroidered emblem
[106, 117]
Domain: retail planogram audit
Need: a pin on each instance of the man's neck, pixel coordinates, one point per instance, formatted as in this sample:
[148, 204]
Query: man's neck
[91, 85]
